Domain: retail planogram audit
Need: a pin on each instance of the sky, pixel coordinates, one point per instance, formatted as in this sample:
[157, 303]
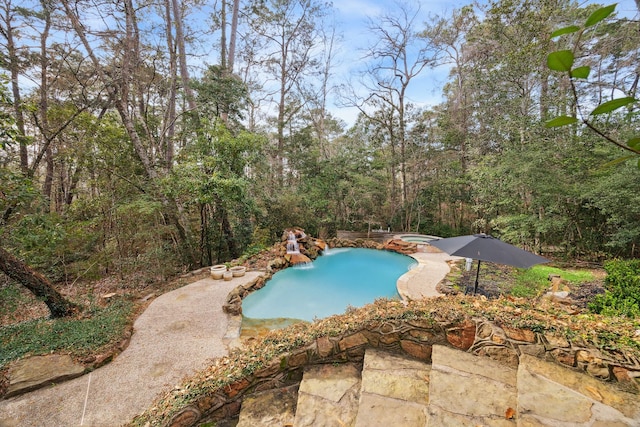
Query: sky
[352, 17]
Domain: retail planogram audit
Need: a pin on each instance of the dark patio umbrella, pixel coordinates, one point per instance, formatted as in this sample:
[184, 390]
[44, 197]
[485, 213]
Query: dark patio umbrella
[487, 248]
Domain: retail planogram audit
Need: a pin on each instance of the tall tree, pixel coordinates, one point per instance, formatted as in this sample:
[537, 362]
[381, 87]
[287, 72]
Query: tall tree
[517, 167]
[448, 36]
[182, 55]
[318, 94]
[126, 89]
[395, 57]
[233, 36]
[14, 190]
[170, 117]
[14, 59]
[289, 30]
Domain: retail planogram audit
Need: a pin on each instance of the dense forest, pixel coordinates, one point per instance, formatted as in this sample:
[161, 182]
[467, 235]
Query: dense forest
[150, 135]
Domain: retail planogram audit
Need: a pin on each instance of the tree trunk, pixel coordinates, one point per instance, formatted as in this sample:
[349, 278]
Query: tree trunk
[44, 106]
[173, 78]
[182, 57]
[14, 69]
[232, 36]
[228, 233]
[37, 284]
[223, 35]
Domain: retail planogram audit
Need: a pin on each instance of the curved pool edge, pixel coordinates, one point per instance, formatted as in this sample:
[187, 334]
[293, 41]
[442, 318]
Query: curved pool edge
[426, 273]
[402, 284]
[348, 277]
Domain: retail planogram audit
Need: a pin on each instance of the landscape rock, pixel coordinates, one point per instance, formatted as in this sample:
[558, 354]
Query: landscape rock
[470, 390]
[37, 371]
[394, 392]
[295, 259]
[462, 336]
[401, 246]
[185, 418]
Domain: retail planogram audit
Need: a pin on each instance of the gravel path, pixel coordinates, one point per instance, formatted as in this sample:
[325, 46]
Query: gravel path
[177, 335]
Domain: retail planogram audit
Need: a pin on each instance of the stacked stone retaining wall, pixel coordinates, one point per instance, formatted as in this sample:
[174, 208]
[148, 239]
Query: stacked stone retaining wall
[416, 338]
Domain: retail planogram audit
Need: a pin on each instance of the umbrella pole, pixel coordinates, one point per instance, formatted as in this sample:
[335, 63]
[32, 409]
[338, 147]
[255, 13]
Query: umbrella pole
[475, 288]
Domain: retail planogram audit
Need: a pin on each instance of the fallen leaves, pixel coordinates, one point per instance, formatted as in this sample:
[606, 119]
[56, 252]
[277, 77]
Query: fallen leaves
[510, 413]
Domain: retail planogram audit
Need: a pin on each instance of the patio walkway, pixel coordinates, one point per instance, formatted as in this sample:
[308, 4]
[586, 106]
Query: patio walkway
[177, 335]
[421, 281]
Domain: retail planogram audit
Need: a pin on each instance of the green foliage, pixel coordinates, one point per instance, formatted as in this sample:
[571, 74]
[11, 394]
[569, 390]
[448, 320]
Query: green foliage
[140, 239]
[561, 121]
[221, 93]
[17, 191]
[40, 241]
[210, 181]
[622, 296]
[563, 60]
[599, 15]
[566, 30]
[8, 132]
[79, 336]
[11, 298]
[614, 104]
[619, 227]
[525, 291]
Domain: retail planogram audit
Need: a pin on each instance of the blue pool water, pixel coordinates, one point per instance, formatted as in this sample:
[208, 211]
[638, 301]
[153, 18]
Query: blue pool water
[345, 277]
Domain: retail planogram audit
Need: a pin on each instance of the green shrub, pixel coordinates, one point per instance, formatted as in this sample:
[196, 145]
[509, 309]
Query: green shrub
[622, 294]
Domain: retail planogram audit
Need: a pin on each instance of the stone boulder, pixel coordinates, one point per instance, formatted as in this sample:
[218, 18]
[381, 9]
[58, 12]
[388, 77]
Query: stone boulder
[35, 372]
[295, 259]
[321, 244]
[401, 246]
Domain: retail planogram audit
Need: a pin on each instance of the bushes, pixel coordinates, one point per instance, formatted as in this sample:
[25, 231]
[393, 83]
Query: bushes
[622, 297]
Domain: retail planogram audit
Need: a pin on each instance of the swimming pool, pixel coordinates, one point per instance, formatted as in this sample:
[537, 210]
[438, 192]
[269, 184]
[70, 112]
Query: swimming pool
[345, 277]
